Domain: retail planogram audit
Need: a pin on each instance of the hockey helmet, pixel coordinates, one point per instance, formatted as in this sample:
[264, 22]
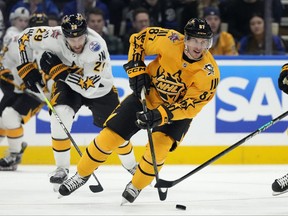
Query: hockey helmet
[198, 28]
[38, 19]
[74, 25]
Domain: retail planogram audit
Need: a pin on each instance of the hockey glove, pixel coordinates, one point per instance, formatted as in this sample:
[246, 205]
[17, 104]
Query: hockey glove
[6, 80]
[283, 79]
[153, 118]
[52, 65]
[138, 77]
[30, 75]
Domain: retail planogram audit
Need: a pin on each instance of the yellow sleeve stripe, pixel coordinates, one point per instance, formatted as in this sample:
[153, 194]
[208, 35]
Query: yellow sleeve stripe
[56, 70]
[5, 71]
[25, 70]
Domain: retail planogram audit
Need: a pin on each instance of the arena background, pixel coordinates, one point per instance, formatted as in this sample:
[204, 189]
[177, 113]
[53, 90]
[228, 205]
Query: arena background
[247, 98]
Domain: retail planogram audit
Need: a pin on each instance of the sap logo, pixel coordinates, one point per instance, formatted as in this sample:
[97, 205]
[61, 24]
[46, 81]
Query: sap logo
[243, 105]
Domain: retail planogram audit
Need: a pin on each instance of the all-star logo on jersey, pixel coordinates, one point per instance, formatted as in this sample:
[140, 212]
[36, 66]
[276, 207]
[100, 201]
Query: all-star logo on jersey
[169, 85]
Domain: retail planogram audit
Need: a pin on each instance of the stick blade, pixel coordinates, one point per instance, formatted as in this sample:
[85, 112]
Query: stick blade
[96, 188]
[161, 183]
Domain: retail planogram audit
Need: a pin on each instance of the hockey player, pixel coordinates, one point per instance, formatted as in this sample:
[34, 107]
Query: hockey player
[17, 105]
[77, 59]
[280, 185]
[179, 82]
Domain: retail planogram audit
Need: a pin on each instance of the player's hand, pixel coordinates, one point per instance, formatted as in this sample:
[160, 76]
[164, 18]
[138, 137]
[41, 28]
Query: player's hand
[30, 75]
[153, 118]
[283, 79]
[138, 82]
[6, 80]
[52, 65]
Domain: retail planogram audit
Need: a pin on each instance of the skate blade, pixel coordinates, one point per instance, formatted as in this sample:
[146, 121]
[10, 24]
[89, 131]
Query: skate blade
[56, 187]
[10, 168]
[279, 193]
[59, 196]
[124, 201]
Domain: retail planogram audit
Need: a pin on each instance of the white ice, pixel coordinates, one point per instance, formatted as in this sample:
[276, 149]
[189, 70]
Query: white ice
[214, 190]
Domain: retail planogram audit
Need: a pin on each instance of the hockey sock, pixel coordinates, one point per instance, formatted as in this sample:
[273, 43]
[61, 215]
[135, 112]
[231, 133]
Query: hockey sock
[98, 151]
[145, 174]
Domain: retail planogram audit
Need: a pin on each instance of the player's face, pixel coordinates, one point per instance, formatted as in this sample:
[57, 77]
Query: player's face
[77, 43]
[195, 47]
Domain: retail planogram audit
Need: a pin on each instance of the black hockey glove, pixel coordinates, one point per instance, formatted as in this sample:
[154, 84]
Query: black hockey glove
[153, 118]
[283, 79]
[30, 75]
[137, 83]
[52, 65]
[6, 80]
[138, 77]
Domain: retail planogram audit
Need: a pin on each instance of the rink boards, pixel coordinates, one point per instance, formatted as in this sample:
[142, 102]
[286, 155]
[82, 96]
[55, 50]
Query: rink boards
[247, 98]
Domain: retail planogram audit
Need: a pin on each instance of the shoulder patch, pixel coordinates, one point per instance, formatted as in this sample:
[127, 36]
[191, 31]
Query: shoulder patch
[209, 68]
[55, 33]
[94, 46]
[174, 37]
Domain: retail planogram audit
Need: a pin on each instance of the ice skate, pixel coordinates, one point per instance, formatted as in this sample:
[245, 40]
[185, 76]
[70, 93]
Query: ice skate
[58, 177]
[280, 185]
[130, 193]
[72, 184]
[11, 161]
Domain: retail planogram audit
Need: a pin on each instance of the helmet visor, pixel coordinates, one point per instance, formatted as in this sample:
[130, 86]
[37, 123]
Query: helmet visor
[196, 42]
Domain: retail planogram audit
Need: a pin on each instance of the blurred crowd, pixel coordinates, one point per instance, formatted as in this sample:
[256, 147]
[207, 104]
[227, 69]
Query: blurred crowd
[238, 25]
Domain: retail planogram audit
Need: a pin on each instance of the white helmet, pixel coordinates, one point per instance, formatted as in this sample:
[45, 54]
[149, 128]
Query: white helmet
[19, 12]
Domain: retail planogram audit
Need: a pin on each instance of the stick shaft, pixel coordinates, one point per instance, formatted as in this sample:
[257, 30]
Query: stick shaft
[168, 184]
[64, 127]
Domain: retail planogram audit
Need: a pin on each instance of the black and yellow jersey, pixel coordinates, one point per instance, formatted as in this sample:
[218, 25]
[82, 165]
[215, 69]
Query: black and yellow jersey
[183, 85]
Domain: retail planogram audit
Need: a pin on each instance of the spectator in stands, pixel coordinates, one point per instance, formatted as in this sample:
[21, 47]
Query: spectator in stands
[53, 20]
[240, 11]
[254, 43]
[193, 8]
[162, 12]
[140, 21]
[38, 6]
[95, 21]
[116, 10]
[72, 7]
[19, 20]
[223, 42]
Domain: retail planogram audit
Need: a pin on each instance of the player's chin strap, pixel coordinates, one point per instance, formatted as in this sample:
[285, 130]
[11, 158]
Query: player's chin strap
[162, 194]
[167, 184]
[94, 188]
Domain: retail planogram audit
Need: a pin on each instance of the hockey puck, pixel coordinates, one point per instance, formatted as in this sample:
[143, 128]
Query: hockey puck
[182, 207]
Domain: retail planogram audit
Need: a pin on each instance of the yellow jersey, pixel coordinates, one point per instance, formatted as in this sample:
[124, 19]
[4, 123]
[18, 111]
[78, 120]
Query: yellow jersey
[181, 84]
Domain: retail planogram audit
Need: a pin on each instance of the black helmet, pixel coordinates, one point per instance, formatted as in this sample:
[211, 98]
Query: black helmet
[74, 25]
[198, 28]
[38, 19]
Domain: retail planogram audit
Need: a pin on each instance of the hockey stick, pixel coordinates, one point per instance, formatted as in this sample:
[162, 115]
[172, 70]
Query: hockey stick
[162, 194]
[94, 188]
[167, 184]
